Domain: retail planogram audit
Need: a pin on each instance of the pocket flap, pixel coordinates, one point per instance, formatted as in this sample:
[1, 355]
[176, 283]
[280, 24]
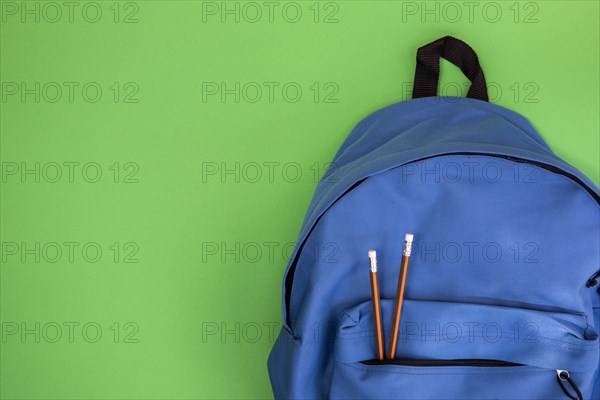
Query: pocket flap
[444, 330]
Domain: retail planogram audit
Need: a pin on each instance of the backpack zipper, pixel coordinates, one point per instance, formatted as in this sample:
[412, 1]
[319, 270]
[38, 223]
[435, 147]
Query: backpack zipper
[443, 363]
[593, 281]
[562, 375]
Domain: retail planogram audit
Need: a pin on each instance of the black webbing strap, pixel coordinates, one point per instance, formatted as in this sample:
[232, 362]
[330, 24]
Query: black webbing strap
[459, 53]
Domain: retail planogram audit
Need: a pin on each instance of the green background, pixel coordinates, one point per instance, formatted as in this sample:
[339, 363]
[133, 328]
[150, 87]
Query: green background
[201, 197]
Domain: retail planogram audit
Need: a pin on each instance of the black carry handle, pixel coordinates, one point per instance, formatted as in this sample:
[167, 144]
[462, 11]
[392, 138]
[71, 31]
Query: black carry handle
[459, 53]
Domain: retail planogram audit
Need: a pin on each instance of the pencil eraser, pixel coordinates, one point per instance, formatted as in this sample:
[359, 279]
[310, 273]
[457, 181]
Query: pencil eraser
[372, 253]
[408, 237]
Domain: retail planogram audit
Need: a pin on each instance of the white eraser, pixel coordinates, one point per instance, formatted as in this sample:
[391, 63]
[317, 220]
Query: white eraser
[372, 253]
[408, 237]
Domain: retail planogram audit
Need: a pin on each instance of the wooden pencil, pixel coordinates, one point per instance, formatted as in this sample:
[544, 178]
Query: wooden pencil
[376, 305]
[397, 313]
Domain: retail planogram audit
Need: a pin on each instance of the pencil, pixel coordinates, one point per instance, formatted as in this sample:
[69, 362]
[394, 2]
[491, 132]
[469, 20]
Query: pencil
[408, 239]
[376, 305]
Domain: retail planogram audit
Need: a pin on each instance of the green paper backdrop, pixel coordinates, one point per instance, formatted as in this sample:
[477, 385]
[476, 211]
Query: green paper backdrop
[158, 158]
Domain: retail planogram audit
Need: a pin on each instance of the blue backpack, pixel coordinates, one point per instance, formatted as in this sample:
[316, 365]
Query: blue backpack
[501, 296]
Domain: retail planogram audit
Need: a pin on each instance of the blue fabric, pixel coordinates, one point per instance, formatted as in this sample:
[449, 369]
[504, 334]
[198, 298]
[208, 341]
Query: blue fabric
[502, 254]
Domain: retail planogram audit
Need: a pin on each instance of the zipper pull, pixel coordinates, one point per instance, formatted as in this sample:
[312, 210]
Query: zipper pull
[593, 281]
[564, 376]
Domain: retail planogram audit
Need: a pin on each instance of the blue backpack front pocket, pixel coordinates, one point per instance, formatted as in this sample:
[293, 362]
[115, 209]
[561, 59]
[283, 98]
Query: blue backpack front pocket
[464, 351]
